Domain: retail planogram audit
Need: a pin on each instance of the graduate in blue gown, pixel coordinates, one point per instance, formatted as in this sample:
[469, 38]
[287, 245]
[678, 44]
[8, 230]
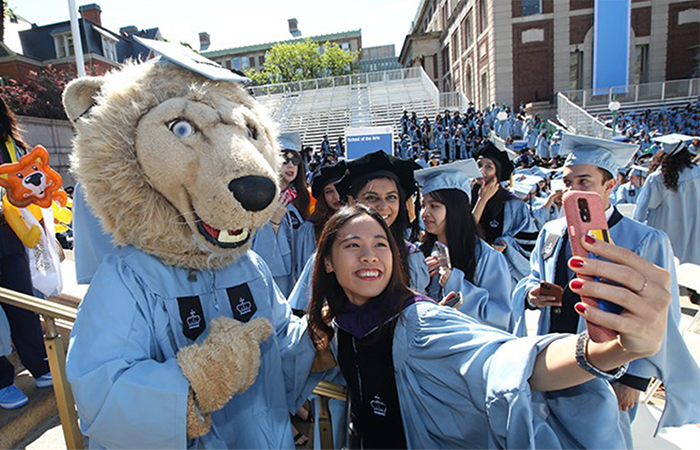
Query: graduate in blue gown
[425, 376]
[629, 192]
[276, 241]
[504, 218]
[382, 182]
[475, 270]
[589, 167]
[327, 202]
[669, 199]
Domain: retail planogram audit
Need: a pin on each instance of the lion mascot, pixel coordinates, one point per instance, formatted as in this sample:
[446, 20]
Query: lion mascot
[183, 339]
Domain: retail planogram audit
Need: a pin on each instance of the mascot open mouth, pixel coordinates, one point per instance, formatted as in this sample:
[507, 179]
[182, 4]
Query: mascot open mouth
[222, 238]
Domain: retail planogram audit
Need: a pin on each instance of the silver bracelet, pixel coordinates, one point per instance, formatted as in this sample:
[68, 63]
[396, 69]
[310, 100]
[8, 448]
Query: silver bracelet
[582, 360]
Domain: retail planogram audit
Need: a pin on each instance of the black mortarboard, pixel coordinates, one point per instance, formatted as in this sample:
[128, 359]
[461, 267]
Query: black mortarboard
[377, 165]
[490, 151]
[329, 174]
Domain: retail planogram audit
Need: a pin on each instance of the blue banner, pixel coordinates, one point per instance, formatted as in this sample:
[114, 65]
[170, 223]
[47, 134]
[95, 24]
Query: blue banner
[611, 44]
[361, 141]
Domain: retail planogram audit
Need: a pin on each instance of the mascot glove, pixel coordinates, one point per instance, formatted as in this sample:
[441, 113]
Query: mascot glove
[225, 363]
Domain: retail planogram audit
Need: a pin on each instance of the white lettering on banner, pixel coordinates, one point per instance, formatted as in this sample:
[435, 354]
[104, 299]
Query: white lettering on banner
[363, 138]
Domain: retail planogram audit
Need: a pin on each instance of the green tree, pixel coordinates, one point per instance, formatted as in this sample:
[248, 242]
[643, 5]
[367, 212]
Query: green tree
[305, 60]
[337, 61]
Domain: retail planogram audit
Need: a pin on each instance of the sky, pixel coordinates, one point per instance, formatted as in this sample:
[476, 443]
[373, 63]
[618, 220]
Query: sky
[236, 23]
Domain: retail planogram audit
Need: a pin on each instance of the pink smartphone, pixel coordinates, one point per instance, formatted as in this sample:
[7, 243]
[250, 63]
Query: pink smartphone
[585, 215]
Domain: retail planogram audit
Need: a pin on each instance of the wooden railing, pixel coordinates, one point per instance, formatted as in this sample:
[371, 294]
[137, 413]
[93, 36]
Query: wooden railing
[51, 310]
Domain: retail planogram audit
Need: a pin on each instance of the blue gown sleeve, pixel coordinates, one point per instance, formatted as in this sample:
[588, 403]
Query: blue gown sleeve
[274, 249]
[465, 385]
[673, 363]
[91, 243]
[120, 382]
[301, 294]
[418, 271]
[305, 247]
[524, 286]
[5, 338]
[649, 199]
[488, 299]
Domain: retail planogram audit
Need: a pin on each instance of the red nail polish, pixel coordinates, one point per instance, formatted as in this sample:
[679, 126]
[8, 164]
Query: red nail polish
[576, 284]
[589, 239]
[576, 262]
[580, 307]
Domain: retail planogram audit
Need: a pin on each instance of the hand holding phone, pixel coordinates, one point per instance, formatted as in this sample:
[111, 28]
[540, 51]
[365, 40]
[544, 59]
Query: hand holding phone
[585, 215]
[453, 300]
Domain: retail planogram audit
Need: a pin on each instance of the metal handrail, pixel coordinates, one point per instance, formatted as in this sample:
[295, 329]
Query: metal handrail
[56, 354]
[50, 310]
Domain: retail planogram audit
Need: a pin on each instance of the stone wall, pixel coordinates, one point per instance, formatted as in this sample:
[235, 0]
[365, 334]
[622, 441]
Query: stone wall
[56, 136]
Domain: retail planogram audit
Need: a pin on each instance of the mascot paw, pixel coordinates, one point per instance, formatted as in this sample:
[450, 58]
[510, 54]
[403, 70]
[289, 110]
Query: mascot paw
[225, 363]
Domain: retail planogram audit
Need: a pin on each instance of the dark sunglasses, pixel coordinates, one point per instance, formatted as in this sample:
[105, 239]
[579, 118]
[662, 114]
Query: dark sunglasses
[294, 160]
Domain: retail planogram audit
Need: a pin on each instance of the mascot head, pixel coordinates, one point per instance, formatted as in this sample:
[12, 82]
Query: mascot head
[176, 164]
[31, 181]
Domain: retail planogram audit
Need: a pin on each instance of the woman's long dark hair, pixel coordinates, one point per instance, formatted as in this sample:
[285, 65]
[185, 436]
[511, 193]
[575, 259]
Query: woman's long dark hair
[328, 298]
[461, 229]
[8, 126]
[303, 198]
[322, 212]
[398, 228]
[671, 166]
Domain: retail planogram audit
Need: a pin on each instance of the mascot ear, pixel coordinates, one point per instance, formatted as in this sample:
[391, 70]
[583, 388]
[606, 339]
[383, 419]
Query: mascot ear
[79, 96]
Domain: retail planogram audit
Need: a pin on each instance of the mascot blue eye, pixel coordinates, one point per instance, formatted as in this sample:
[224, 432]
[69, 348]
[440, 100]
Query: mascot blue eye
[181, 128]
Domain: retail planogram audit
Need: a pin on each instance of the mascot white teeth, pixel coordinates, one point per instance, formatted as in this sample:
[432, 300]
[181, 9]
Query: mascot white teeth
[181, 339]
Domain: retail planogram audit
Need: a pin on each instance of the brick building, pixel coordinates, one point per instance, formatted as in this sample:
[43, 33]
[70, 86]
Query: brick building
[520, 51]
[53, 45]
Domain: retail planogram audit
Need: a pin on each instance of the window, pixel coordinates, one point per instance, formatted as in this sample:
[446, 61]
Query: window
[482, 15]
[484, 89]
[443, 10]
[446, 60]
[261, 60]
[63, 44]
[467, 38]
[345, 46]
[576, 70]
[245, 63]
[109, 49]
[227, 63]
[531, 7]
[237, 63]
[455, 46]
[641, 64]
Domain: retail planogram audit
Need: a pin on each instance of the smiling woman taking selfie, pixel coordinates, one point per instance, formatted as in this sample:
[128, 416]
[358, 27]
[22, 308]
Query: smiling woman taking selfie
[421, 375]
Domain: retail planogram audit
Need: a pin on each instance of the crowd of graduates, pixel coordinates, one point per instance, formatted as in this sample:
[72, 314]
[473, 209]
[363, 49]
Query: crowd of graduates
[485, 188]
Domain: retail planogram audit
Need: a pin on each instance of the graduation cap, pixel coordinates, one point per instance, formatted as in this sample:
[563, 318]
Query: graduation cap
[378, 164]
[673, 143]
[524, 184]
[191, 60]
[640, 170]
[328, 174]
[608, 155]
[290, 141]
[489, 150]
[456, 175]
[557, 184]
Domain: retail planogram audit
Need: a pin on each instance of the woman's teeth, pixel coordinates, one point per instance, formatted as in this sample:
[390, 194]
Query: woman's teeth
[368, 273]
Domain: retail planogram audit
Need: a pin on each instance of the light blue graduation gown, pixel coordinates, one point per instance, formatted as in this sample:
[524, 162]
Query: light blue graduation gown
[279, 250]
[542, 147]
[487, 299]
[121, 364]
[516, 219]
[90, 241]
[5, 335]
[462, 384]
[673, 363]
[676, 213]
[627, 193]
